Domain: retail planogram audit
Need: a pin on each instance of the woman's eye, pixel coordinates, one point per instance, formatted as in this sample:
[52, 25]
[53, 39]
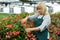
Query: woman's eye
[38, 8]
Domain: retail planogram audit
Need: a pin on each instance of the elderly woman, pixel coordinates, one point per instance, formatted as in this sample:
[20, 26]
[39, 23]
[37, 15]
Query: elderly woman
[41, 22]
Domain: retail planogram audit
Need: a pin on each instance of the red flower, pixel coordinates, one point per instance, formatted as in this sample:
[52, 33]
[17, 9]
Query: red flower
[9, 26]
[27, 25]
[15, 33]
[9, 33]
[29, 35]
[5, 18]
[57, 32]
[33, 39]
[8, 36]
[18, 32]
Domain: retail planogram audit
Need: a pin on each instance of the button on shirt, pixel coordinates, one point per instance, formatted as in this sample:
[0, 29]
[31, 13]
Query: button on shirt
[45, 23]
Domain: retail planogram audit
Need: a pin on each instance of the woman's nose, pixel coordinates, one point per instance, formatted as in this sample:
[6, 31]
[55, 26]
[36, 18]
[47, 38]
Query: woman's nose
[39, 10]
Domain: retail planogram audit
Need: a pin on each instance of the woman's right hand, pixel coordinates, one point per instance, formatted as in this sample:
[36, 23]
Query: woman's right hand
[23, 21]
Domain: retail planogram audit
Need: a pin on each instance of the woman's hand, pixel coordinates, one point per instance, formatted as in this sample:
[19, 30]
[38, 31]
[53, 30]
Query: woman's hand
[23, 21]
[28, 30]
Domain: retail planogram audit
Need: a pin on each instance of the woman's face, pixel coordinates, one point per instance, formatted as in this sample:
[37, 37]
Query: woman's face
[40, 10]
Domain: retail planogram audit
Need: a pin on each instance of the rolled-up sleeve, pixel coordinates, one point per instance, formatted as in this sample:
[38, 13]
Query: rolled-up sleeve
[45, 23]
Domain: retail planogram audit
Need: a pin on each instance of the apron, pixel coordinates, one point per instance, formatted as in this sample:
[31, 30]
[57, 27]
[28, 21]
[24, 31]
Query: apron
[40, 35]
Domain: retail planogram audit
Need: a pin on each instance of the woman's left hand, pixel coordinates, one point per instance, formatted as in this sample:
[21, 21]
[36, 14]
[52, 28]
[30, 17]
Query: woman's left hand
[28, 30]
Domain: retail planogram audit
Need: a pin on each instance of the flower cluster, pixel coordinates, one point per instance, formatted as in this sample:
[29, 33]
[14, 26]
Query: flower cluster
[11, 28]
[54, 27]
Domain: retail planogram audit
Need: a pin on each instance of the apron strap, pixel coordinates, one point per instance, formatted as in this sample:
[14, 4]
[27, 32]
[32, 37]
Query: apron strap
[42, 16]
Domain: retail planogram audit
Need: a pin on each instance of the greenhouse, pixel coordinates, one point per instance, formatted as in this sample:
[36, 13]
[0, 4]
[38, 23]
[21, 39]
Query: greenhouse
[29, 19]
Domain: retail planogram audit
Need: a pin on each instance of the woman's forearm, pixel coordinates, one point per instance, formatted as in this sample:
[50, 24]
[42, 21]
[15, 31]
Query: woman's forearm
[32, 29]
[35, 29]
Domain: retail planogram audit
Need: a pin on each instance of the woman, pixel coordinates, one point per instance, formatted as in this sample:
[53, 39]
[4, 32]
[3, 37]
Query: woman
[41, 22]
